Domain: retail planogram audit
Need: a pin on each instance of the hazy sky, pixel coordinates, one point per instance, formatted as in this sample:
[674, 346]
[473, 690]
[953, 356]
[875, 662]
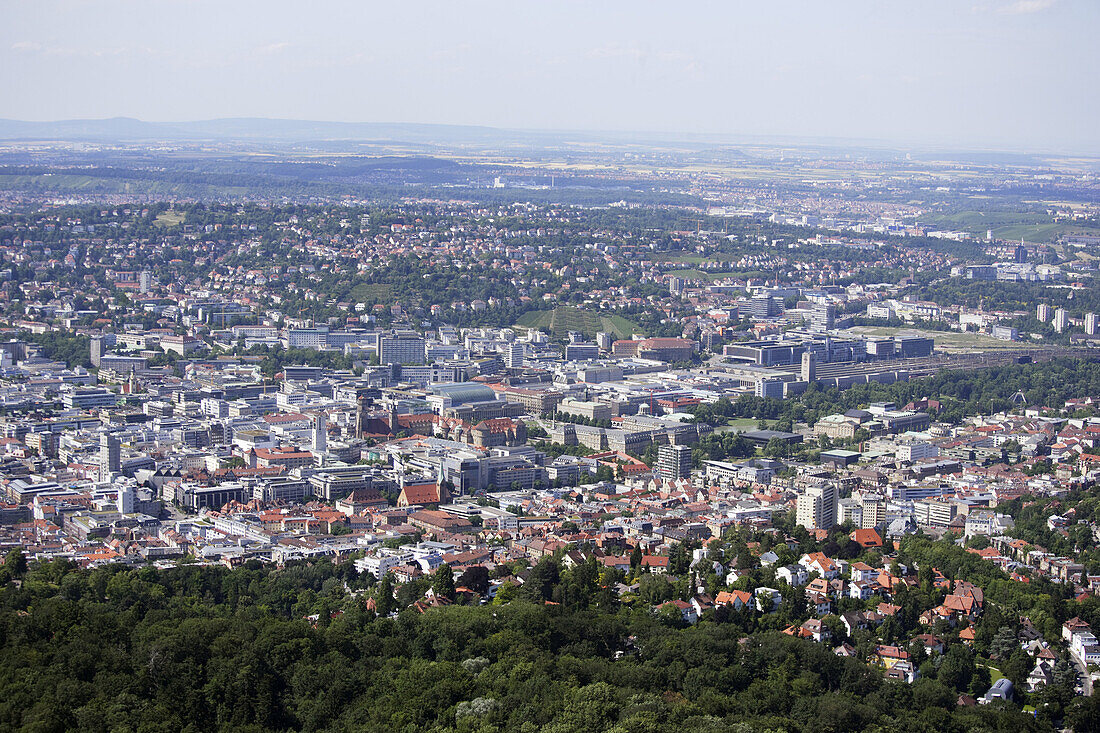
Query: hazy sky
[1017, 73]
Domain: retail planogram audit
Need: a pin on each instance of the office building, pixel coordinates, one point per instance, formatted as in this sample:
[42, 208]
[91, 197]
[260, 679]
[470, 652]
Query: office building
[401, 350]
[110, 456]
[874, 510]
[514, 357]
[674, 462]
[816, 508]
[851, 511]
[822, 317]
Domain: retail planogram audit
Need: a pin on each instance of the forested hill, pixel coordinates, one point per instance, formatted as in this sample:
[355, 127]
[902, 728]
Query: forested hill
[210, 649]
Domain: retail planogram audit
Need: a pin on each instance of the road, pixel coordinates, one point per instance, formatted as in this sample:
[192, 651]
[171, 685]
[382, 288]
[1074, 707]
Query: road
[1083, 673]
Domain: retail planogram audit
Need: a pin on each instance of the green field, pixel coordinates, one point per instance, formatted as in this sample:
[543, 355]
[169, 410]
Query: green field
[947, 341]
[169, 219]
[371, 293]
[700, 275]
[562, 320]
[1031, 227]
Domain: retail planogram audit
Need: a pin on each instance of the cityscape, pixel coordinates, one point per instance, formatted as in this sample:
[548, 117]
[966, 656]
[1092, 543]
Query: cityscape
[402, 427]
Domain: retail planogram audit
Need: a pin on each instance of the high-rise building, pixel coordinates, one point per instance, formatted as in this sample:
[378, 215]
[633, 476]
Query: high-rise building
[822, 316]
[1043, 312]
[145, 281]
[874, 510]
[1090, 324]
[809, 367]
[1061, 320]
[816, 507]
[675, 285]
[362, 416]
[514, 357]
[110, 455]
[96, 350]
[674, 462]
[319, 425]
[125, 499]
[849, 510]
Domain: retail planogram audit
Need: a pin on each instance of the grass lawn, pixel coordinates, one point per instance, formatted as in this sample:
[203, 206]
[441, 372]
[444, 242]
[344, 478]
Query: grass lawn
[741, 425]
[994, 673]
[169, 219]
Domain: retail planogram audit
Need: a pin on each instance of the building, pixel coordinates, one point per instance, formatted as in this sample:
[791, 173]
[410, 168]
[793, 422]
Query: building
[821, 317]
[84, 399]
[514, 357]
[401, 350]
[1061, 320]
[286, 457]
[145, 282]
[1090, 324]
[850, 511]
[582, 351]
[809, 367]
[674, 462]
[873, 508]
[760, 307]
[46, 443]
[816, 507]
[658, 349]
[1043, 313]
[307, 338]
[915, 450]
[1001, 690]
[110, 455]
[182, 345]
[934, 512]
[534, 401]
[590, 410]
[96, 350]
[319, 427]
[912, 347]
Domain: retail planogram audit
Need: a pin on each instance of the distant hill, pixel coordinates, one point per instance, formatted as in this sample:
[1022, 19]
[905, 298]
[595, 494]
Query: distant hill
[339, 134]
[241, 128]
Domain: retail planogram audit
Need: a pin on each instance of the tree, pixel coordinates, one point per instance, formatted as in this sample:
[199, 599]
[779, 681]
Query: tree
[1065, 673]
[15, 563]
[443, 582]
[1003, 643]
[654, 588]
[383, 600]
[636, 557]
[476, 578]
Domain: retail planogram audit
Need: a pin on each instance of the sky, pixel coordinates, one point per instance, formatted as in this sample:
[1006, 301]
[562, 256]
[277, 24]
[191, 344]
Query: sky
[1008, 74]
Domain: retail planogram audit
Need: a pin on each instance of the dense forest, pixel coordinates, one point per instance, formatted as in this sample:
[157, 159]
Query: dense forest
[207, 648]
